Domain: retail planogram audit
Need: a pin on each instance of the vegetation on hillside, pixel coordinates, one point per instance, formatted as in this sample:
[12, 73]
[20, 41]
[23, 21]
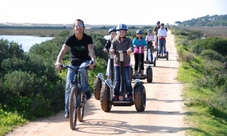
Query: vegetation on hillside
[215, 20]
[203, 71]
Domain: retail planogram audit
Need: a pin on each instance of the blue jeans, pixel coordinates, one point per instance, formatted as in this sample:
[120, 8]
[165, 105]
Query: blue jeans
[69, 78]
[151, 53]
[161, 45]
[126, 80]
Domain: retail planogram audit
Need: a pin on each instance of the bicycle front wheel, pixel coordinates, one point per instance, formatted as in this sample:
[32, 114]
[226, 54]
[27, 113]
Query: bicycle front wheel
[81, 107]
[73, 108]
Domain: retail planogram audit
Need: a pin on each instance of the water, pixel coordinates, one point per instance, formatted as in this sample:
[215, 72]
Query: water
[25, 41]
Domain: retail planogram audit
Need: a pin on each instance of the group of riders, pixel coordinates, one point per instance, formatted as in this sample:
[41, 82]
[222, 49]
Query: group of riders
[82, 51]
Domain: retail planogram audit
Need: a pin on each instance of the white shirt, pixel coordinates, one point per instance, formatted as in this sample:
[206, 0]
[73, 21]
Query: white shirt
[162, 32]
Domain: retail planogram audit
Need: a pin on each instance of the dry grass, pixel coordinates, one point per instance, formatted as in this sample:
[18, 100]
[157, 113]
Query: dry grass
[219, 31]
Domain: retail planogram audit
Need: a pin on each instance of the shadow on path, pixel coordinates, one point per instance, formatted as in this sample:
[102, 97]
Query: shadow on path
[113, 127]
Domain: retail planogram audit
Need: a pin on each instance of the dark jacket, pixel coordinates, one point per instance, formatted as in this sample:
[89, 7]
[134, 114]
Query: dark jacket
[124, 46]
[107, 45]
[156, 29]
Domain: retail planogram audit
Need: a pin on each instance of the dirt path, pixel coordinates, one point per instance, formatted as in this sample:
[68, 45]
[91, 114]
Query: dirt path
[163, 115]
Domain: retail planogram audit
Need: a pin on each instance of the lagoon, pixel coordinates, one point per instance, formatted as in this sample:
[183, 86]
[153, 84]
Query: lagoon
[25, 41]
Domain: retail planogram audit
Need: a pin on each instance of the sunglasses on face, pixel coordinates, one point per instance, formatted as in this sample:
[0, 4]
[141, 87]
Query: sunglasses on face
[80, 26]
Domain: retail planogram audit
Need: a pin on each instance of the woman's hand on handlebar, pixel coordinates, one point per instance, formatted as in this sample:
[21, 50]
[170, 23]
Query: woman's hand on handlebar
[112, 51]
[129, 51]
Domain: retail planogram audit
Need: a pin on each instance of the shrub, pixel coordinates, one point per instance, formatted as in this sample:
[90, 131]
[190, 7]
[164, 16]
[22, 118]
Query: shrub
[212, 55]
[183, 54]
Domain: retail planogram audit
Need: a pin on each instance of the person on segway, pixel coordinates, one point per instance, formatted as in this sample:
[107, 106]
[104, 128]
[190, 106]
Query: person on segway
[162, 34]
[112, 33]
[156, 35]
[123, 43]
[139, 41]
[149, 39]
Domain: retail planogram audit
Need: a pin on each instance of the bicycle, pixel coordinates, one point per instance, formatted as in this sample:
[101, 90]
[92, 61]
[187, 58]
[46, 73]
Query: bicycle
[77, 98]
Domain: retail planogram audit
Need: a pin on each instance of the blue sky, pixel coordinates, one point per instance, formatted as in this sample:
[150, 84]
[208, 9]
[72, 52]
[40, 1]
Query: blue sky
[108, 11]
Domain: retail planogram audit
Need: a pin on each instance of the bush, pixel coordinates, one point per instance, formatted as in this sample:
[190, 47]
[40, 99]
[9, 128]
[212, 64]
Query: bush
[183, 54]
[214, 43]
[212, 55]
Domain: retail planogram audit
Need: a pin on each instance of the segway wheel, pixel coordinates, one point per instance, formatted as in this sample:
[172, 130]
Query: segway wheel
[167, 55]
[149, 75]
[140, 98]
[106, 104]
[97, 88]
[154, 61]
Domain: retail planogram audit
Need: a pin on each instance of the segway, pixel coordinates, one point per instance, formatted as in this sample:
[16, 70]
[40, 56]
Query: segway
[149, 71]
[149, 59]
[100, 80]
[162, 55]
[138, 92]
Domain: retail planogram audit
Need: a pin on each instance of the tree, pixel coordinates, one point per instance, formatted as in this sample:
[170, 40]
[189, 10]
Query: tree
[178, 22]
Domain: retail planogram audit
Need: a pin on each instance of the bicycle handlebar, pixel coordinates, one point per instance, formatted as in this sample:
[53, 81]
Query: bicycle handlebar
[78, 67]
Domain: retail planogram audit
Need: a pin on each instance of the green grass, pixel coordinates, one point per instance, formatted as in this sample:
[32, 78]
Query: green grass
[203, 119]
[9, 120]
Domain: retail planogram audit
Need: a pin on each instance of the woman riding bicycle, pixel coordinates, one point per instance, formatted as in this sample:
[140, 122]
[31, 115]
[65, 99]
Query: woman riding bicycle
[81, 50]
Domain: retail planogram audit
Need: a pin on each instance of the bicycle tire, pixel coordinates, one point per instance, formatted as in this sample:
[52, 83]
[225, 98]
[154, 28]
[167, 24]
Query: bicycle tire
[81, 108]
[73, 108]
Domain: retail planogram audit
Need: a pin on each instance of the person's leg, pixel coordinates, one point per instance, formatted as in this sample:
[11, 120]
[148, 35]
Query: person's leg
[136, 62]
[147, 54]
[84, 81]
[151, 53]
[69, 77]
[164, 46]
[127, 80]
[159, 47]
[142, 62]
[117, 82]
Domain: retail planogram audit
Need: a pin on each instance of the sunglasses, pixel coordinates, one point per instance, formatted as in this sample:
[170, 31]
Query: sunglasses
[80, 26]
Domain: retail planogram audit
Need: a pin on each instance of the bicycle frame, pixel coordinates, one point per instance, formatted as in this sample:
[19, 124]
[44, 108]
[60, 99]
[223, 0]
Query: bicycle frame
[77, 98]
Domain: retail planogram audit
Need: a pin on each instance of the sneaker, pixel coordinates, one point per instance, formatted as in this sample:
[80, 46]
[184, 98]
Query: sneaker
[115, 98]
[130, 97]
[66, 114]
[88, 95]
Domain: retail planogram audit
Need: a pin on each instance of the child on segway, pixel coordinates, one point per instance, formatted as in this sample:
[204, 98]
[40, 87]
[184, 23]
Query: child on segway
[112, 33]
[149, 39]
[139, 41]
[123, 43]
